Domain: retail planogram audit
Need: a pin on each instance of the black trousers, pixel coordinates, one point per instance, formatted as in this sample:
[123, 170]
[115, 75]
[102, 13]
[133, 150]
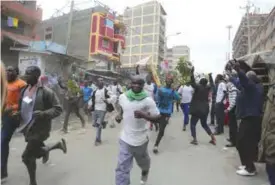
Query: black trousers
[220, 115]
[212, 113]
[233, 126]
[247, 141]
[72, 107]
[162, 125]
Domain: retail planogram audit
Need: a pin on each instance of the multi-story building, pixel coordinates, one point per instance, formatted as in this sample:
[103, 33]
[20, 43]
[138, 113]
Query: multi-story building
[18, 22]
[240, 42]
[173, 54]
[264, 36]
[146, 25]
[97, 36]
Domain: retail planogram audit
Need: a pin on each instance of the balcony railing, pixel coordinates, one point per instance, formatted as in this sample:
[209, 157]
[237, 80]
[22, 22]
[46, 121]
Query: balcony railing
[27, 14]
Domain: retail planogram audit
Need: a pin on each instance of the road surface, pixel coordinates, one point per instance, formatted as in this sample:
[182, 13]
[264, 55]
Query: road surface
[178, 162]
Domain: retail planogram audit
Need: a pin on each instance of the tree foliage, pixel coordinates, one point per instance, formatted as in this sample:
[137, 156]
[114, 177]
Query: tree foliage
[184, 69]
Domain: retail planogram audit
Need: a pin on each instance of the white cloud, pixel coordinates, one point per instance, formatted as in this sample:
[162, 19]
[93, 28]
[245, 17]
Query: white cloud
[202, 23]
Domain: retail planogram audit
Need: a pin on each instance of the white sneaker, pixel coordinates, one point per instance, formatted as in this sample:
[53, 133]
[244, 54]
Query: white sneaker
[241, 167]
[142, 182]
[244, 172]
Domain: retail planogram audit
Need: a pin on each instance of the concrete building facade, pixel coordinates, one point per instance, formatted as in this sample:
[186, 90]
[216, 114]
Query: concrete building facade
[146, 25]
[240, 42]
[173, 54]
[18, 22]
[96, 36]
[264, 36]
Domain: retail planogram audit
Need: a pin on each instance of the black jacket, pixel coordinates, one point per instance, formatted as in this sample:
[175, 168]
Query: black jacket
[199, 105]
[46, 101]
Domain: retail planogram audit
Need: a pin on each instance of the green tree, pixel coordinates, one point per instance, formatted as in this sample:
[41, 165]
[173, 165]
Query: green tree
[184, 69]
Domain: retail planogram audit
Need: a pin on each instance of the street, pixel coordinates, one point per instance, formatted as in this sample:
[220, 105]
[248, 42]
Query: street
[178, 162]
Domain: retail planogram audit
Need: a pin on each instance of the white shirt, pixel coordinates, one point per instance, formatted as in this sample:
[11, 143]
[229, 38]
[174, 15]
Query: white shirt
[114, 89]
[220, 92]
[186, 93]
[100, 97]
[149, 89]
[135, 131]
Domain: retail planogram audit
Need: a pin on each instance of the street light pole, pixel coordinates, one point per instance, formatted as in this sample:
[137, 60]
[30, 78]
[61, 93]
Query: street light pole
[229, 27]
[248, 6]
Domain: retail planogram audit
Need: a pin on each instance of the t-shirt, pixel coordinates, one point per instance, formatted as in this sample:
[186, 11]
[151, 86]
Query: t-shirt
[87, 93]
[149, 89]
[186, 93]
[135, 131]
[100, 97]
[115, 89]
[13, 93]
[165, 98]
[220, 92]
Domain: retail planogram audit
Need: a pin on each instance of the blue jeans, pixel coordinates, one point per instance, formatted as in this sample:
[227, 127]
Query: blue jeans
[203, 120]
[270, 170]
[9, 125]
[99, 116]
[185, 110]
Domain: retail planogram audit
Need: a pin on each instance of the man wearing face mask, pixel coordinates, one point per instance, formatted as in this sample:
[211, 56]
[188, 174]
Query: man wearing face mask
[137, 108]
[249, 111]
[38, 105]
[9, 121]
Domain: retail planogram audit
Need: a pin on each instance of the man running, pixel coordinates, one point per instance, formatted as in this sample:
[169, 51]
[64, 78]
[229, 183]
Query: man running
[38, 105]
[199, 107]
[9, 121]
[151, 89]
[136, 109]
[186, 93]
[102, 99]
[165, 97]
[87, 93]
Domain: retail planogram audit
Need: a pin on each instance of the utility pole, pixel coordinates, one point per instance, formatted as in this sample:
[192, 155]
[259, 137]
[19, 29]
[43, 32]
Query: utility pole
[69, 26]
[229, 27]
[248, 6]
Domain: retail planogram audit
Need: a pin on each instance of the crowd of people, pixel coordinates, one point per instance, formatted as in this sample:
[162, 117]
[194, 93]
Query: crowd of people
[29, 106]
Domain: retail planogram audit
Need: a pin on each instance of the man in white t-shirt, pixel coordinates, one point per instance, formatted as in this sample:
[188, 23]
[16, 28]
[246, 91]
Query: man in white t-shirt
[186, 93]
[220, 104]
[100, 98]
[136, 110]
[116, 90]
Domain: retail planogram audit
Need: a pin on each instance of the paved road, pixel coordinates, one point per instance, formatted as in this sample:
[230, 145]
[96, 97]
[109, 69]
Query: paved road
[178, 162]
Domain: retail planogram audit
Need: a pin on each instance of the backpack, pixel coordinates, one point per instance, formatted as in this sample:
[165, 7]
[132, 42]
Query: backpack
[109, 106]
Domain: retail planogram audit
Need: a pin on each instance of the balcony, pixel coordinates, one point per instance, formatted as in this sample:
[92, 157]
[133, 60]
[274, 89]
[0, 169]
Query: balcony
[121, 38]
[30, 16]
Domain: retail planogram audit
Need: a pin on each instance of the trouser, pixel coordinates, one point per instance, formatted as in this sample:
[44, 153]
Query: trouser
[72, 107]
[99, 116]
[233, 126]
[185, 111]
[125, 161]
[9, 125]
[162, 125]
[35, 149]
[203, 120]
[212, 113]
[85, 108]
[247, 141]
[112, 115]
[270, 170]
[220, 115]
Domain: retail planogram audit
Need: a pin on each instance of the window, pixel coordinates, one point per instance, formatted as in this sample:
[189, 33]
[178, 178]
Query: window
[48, 36]
[137, 11]
[137, 21]
[49, 29]
[148, 10]
[105, 43]
[135, 40]
[148, 19]
[135, 30]
[147, 49]
[147, 39]
[109, 23]
[135, 50]
[147, 29]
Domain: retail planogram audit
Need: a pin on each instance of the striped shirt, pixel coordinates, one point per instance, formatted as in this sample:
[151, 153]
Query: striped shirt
[232, 95]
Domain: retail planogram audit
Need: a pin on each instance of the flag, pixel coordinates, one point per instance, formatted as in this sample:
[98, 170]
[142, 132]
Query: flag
[12, 22]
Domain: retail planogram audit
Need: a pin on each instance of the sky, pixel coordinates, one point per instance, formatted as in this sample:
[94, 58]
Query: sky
[202, 24]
